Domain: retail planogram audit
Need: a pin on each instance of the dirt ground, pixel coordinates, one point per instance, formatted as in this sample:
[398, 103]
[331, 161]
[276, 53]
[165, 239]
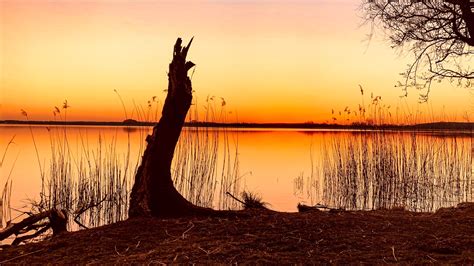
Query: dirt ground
[382, 236]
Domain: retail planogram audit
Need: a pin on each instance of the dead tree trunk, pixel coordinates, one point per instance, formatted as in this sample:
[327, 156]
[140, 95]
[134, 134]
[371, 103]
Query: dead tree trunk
[153, 193]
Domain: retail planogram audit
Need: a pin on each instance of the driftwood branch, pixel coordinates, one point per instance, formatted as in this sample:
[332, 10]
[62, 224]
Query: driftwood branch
[317, 207]
[57, 222]
[82, 210]
[20, 239]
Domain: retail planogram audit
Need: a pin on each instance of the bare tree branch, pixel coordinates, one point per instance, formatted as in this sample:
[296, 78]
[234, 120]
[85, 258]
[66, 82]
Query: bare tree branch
[440, 33]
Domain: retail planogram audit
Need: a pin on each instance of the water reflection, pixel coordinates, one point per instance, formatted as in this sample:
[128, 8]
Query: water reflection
[377, 169]
[354, 170]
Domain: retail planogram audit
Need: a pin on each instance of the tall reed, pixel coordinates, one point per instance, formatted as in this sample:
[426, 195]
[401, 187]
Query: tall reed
[206, 163]
[93, 184]
[6, 186]
[381, 169]
[371, 169]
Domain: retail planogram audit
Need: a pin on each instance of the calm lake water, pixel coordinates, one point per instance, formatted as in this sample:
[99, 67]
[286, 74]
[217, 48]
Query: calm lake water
[423, 170]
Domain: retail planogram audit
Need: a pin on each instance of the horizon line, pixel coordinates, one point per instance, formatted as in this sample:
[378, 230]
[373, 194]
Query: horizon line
[446, 125]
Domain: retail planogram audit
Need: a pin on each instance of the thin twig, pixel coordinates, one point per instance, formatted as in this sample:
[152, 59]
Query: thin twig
[80, 224]
[431, 258]
[393, 253]
[205, 251]
[118, 253]
[21, 256]
[299, 239]
[232, 196]
[183, 236]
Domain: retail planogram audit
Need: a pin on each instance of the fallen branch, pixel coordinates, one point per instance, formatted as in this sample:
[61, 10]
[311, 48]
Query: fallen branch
[79, 212]
[36, 226]
[235, 198]
[21, 256]
[13, 228]
[317, 207]
[20, 239]
[57, 222]
[76, 220]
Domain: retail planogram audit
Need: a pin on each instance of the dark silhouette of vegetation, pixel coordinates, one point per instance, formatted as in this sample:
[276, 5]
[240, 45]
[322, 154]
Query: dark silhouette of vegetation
[383, 169]
[253, 201]
[57, 222]
[250, 200]
[153, 193]
[198, 124]
[439, 32]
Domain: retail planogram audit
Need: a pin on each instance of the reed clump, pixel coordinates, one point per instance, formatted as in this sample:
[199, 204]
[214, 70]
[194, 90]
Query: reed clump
[91, 183]
[253, 201]
[383, 169]
[206, 162]
[373, 168]
[92, 180]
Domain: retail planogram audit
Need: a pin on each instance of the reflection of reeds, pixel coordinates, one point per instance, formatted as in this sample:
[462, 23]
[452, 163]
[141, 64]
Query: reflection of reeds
[377, 169]
[205, 166]
[6, 191]
[308, 186]
[93, 184]
[206, 163]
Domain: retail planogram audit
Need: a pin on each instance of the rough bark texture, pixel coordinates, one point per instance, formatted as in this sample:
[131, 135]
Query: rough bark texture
[153, 192]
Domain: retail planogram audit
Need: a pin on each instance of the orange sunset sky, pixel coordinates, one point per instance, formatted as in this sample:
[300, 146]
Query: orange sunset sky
[272, 61]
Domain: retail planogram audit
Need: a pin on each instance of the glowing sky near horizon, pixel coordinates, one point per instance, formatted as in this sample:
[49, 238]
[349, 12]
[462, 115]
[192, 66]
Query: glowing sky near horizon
[272, 61]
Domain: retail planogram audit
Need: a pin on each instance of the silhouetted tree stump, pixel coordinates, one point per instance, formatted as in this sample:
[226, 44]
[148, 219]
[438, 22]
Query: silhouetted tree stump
[153, 193]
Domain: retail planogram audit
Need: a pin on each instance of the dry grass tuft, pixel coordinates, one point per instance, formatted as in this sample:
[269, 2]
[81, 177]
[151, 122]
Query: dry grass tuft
[253, 201]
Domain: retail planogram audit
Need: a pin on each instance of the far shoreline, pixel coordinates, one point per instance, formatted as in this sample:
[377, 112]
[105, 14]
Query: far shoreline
[449, 126]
